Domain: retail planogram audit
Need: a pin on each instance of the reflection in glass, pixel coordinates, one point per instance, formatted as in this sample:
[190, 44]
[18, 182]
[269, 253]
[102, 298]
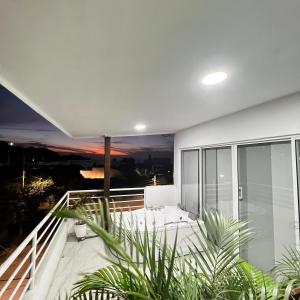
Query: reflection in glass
[217, 180]
[266, 200]
[190, 181]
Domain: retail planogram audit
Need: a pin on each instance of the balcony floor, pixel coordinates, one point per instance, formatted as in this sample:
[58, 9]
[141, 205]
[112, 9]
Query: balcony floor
[77, 258]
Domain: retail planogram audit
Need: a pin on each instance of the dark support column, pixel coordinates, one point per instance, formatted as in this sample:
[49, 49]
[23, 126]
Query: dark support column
[106, 166]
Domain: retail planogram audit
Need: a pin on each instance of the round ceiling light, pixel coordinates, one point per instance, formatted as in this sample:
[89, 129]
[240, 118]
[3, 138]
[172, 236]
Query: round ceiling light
[140, 127]
[214, 78]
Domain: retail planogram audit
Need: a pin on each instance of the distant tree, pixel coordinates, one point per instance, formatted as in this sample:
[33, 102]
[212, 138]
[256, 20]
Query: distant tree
[39, 187]
[35, 192]
[29, 199]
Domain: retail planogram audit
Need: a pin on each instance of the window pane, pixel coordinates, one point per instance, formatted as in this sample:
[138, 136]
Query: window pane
[217, 180]
[266, 200]
[190, 181]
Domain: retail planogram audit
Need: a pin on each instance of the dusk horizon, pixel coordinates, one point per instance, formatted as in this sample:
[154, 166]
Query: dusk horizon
[21, 125]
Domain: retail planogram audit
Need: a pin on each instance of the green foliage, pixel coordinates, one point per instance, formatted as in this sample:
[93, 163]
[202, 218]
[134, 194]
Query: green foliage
[144, 266]
[38, 187]
[217, 259]
[289, 266]
[287, 270]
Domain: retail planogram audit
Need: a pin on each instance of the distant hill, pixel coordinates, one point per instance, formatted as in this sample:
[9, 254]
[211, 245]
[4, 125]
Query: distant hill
[17, 154]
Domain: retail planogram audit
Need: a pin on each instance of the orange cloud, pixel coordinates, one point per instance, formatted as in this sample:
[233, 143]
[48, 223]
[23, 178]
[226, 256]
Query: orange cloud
[100, 151]
[113, 152]
[88, 150]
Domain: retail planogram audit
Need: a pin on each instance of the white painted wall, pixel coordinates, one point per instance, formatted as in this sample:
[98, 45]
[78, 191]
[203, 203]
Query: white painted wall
[160, 195]
[275, 118]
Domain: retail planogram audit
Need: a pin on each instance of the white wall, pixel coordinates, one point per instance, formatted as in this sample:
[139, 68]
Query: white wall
[275, 118]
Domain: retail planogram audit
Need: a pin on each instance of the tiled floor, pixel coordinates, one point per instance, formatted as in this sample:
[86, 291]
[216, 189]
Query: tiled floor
[77, 258]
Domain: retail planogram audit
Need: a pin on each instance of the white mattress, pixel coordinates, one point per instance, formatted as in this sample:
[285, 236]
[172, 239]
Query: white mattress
[169, 219]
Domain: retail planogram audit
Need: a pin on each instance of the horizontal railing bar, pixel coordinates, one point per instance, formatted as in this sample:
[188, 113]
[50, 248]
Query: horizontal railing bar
[112, 190]
[49, 245]
[50, 213]
[13, 275]
[84, 191]
[125, 195]
[91, 197]
[64, 200]
[25, 288]
[125, 201]
[45, 230]
[21, 247]
[49, 236]
[116, 202]
[21, 281]
[119, 208]
[125, 207]
[127, 189]
[78, 198]
[15, 254]
[111, 196]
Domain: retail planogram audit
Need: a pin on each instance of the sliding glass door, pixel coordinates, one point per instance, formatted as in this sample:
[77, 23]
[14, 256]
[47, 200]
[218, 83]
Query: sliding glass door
[217, 180]
[190, 181]
[298, 181]
[265, 194]
[266, 201]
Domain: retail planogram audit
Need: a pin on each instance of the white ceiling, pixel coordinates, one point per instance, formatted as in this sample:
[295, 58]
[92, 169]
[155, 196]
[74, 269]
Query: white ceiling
[99, 67]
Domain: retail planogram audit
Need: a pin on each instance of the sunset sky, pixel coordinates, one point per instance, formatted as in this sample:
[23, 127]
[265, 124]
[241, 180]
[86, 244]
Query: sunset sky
[23, 126]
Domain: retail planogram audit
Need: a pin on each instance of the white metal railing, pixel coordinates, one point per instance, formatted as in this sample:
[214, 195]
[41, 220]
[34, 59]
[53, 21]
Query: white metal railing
[116, 197]
[18, 271]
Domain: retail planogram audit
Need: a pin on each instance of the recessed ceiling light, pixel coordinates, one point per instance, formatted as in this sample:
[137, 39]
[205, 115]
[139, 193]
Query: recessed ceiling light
[140, 127]
[214, 78]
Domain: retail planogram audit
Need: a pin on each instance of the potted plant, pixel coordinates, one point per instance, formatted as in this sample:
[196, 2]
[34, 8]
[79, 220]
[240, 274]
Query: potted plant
[80, 230]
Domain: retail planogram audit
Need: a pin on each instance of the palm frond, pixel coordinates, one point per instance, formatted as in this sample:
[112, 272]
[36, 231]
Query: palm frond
[218, 256]
[144, 266]
[289, 266]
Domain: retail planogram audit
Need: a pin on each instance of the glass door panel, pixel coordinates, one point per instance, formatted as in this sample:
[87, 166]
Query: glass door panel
[190, 181]
[217, 180]
[298, 178]
[266, 201]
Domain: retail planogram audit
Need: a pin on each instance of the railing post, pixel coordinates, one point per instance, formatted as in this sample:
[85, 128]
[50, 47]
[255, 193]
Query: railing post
[107, 145]
[68, 199]
[33, 261]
